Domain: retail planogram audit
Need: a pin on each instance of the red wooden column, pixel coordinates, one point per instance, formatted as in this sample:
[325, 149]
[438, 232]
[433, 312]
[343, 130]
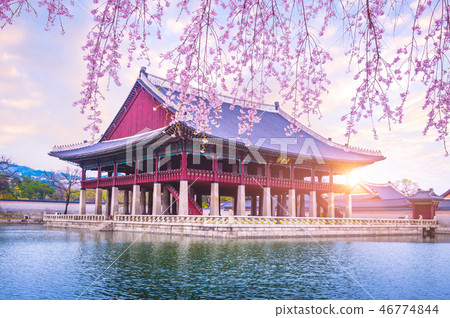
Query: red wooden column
[331, 180]
[83, 177]
[330, 212]
[215, 169]
[292, 196]
[292, 176]
[156, 179]
[348, 198]
[136, 163]
[313, 178]
[241, 170]
[184, 165]
[312, 195]
[99, 174]
[115, 174]
[268, 174]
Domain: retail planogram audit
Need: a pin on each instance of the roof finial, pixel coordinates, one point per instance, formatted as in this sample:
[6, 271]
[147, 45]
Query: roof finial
[143, 70]
[277, 105]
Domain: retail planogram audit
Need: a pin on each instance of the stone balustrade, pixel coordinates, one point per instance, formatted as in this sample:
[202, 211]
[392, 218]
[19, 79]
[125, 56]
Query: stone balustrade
[245, 220]
[73, 217]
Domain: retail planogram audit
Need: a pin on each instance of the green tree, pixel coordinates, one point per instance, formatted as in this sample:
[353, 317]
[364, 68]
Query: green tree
[34, 189]
[5, 189]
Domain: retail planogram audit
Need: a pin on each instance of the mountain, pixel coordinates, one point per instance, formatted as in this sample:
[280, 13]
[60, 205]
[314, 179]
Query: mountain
[25, 171]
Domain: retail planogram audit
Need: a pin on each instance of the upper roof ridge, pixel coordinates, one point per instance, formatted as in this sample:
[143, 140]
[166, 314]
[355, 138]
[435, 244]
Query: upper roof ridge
[74, 146]
[159, 82]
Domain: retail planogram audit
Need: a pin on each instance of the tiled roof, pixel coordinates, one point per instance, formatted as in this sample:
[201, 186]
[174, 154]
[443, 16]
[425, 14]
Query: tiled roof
[267, 134]
[445, 193]
[444, 205]
[105, 146]
[269, 131]
[385, 191]
[383, 196]
[425, 195]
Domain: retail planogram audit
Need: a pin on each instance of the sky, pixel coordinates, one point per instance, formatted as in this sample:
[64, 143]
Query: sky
[41, 74]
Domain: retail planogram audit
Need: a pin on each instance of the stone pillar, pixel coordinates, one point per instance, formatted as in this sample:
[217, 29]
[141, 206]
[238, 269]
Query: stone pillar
[82, 209]
[108, 202]
[241, 200]
[260, 204]
[143, 201]
[330, 213]
[172, 205]
[283, 209]
[165, 201]
[135, 201]
[266, 202]
[183, 199]
[312, 204]
[98, 201]
[214, 208]
[275, 201]
[302, 211]
[291, 203]
[126, 202]
[156, 199]
[114, 201]
[254, 207]
[150, 203]
[348, 205]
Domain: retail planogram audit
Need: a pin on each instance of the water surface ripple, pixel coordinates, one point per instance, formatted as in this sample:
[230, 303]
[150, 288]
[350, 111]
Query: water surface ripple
[41, 263]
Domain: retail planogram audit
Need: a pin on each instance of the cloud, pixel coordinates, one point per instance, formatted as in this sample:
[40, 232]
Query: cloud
[176, 26]
[12, 35]
[18, 130]
[24, 103]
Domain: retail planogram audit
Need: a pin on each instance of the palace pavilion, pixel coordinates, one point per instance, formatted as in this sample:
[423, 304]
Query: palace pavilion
[157, 162]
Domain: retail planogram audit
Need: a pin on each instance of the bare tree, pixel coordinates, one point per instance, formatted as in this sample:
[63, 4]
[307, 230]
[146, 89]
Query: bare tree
[7, 167]
[66, 183]
[406, 186]
[7, 172]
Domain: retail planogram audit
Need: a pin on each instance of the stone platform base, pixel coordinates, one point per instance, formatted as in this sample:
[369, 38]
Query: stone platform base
[244, 231]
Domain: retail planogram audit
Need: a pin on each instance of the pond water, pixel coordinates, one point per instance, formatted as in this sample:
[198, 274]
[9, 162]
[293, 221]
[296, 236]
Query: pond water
[43, 263]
